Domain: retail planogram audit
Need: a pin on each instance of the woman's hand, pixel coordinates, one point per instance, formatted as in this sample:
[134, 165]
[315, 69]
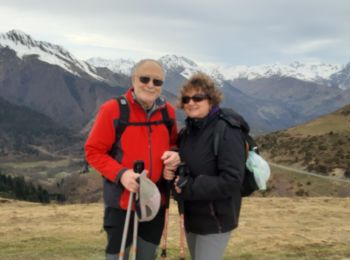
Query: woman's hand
[177, 189]
[171, 160]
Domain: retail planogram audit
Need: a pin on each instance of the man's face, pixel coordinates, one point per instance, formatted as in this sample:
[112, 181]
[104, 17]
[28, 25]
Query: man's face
[147, 82]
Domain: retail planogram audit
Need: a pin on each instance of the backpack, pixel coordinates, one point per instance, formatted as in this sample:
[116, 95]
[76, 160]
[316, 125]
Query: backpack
[229, 117]
[123, 122]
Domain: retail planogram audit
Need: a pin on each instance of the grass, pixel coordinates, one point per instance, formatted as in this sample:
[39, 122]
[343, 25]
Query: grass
[270, 228]
[337, 121]
[37, 164]
[322, 125]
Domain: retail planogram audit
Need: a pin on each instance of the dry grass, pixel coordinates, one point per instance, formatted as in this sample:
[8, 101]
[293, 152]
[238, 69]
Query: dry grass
[270, 228]
[322, 126]
[337, 122]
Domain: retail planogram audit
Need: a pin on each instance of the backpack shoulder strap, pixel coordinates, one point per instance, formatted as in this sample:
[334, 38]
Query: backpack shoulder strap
[169, 123]
[229, 117]
[219, 132]
[121, 123]
[124, 113]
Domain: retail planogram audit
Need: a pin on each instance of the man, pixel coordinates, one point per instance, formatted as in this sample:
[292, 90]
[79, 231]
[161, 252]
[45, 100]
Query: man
[151, 143]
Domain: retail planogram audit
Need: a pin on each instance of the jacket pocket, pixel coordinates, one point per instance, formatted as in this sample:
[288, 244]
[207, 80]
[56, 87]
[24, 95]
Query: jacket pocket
[112, 193]
[224, 206]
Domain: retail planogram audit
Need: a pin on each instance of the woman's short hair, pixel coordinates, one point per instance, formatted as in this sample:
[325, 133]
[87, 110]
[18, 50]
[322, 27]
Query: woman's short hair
[201, 82]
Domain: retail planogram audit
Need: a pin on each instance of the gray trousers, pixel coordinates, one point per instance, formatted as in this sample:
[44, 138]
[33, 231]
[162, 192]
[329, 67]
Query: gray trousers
[207, 247]
[145, 251]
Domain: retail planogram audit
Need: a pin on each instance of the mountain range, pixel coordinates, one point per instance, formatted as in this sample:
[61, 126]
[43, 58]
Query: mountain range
[313, 72]
[48, 79]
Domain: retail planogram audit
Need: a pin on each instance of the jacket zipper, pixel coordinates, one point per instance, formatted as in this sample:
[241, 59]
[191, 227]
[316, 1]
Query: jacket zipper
[150, 140]
[212, 212]
[150, 150]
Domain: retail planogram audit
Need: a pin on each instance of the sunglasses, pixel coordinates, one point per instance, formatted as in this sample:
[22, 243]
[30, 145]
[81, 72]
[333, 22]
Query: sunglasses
[195, 98]
[146, 80]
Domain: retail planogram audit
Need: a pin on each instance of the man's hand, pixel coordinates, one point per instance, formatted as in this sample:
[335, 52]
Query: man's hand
[129, 180]
[171, 159]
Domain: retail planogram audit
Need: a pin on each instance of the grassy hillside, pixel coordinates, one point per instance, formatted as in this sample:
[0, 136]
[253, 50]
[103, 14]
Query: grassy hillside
[270, 228]
[321, 146]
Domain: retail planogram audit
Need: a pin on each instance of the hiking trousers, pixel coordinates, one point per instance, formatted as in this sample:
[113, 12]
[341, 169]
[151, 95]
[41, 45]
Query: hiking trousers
[207, 247]
[149, 234]
[145, 251]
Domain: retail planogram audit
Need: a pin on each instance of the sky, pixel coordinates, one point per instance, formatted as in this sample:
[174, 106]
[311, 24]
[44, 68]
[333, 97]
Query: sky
[226, 32]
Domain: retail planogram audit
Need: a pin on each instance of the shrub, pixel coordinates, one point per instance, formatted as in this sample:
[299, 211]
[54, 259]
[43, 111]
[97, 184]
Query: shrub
[347, 173]
[322, 147]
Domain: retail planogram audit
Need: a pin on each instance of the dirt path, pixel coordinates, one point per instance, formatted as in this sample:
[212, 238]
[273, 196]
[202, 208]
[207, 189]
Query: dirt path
[308, 173]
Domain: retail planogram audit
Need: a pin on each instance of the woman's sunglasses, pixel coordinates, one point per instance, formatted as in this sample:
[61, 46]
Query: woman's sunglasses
[146, 80]
[195, 98]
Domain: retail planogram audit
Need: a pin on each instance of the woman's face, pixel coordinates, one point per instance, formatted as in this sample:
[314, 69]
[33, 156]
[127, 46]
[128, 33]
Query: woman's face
[196, 104]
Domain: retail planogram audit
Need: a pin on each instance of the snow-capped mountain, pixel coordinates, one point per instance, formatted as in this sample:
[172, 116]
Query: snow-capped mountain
[342, 78]
[169, 62]
[122, 66]
[315, 72]
[174, 62]
[24, 45]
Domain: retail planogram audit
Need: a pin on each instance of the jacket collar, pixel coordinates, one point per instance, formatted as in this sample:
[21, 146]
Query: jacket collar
[159, 102]
[202, 122]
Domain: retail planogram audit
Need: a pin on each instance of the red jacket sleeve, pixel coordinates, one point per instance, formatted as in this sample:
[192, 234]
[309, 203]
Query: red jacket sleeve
[100, 141]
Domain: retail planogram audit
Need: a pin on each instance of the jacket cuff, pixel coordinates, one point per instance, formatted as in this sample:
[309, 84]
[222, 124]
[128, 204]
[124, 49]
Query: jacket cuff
[174, 149]
[119, 175]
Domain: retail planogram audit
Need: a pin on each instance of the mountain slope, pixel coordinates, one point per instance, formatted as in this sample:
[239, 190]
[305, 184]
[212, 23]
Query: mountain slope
[342, 77]
[49, 89]
[321, 145]
[304, 100]
[24, 132]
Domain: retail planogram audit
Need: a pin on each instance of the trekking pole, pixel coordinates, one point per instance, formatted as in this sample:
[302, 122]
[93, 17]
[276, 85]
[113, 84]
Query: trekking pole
[137, 166]
[165, 229]
[180, 204]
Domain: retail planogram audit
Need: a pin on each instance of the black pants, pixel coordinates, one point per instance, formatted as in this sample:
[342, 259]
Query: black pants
[114, 220]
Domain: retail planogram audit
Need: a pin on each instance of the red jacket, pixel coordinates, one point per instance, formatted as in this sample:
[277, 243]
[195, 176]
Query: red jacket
[146, 143]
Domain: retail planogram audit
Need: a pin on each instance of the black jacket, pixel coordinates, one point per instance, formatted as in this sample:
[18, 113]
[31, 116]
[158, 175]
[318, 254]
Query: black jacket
[212, 195]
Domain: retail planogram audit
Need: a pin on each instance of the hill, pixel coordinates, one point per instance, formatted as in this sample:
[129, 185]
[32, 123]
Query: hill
[321, 145]
[25, 133]
[270, 228]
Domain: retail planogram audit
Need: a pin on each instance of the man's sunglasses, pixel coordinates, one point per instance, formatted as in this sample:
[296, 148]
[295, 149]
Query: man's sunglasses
[146, 80]
[195, 98]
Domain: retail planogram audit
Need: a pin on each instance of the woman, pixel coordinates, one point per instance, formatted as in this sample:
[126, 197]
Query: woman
[211, 190]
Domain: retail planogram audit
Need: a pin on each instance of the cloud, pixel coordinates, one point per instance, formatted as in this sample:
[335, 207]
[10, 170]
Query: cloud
[310, 46]
[224, 31]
